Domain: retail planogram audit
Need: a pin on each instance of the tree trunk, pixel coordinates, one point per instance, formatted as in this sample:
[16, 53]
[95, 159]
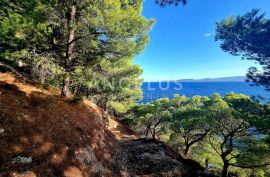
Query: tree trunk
[148, 128]
[154, 133]
[69, 49]
[206, 163]
[224, 172]
[65, 89]
[105, 105]
[187, 150]
[147, 132]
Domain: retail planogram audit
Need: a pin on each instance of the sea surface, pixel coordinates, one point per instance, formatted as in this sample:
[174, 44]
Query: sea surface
[155, 90]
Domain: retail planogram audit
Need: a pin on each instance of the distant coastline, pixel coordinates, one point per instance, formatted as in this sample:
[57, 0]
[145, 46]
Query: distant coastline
[219, 79]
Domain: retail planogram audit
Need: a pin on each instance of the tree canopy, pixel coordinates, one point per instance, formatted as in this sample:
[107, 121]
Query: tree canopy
[248, 36]
[170, 2]
[84, 47]
[219, 132]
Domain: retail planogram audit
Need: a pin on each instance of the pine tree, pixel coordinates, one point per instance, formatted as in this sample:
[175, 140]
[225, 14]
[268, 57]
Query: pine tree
[88, 30]
[68, 42]
[248, 36]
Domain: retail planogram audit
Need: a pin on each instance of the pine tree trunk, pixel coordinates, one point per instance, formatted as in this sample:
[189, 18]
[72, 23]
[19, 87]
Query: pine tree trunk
[224, 172]
[154, 133]
[69, 50]
[65, 89]
[187, 150]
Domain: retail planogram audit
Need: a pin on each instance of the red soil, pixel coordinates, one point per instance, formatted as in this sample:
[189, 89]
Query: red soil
[38, 123]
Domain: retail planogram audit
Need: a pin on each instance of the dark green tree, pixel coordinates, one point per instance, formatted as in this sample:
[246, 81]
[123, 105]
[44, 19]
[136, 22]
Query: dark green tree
[248, 36]
[85, 31]
[84, 47]
[170, 2]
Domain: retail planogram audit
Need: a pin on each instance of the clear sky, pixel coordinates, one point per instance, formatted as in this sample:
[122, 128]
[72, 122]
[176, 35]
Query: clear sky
[182, 44]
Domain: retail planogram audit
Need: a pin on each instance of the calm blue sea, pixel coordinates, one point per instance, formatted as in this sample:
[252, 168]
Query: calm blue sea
[155, 90]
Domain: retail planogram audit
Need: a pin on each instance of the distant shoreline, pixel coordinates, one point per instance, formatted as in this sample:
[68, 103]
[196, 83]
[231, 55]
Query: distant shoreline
[194, 81]
[220, 79]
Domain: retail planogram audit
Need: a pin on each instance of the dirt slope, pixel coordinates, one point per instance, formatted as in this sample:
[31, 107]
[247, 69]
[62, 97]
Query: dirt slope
[42, 134]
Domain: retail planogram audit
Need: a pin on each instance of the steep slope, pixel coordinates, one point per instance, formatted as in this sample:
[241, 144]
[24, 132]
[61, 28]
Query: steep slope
[42, 134]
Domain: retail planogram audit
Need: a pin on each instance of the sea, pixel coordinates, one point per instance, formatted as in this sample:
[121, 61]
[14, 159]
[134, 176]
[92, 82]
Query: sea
[155, 90]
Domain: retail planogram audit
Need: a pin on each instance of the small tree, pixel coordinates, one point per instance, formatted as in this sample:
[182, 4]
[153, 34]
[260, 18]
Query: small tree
[189, 122]
[190, 125]
[153, 118]
[231, 139]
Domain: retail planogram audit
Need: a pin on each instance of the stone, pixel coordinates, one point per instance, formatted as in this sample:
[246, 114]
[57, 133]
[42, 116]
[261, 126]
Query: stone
[20, 159]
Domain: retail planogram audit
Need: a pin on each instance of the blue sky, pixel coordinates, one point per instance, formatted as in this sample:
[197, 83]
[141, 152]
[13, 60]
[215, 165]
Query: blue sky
[182, 41]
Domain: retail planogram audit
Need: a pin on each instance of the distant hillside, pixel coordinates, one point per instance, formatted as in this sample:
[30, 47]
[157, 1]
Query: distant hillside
[220, 79]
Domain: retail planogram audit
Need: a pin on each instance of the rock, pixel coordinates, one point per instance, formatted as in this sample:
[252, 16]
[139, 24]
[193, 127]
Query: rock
[2, 130]
[26, 117]
[20, 159]
[86, 157]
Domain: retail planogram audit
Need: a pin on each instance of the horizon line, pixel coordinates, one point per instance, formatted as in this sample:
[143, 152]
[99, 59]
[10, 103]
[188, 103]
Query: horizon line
[192, 79]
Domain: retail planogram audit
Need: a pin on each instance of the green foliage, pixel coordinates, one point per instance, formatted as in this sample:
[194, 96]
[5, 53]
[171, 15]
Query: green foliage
[252, 152]
[113, 84]
[219, 132]
[169, 2]
[190, 124]
[84, 47]
[248, 36]
[22, 28]
[153, 118]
